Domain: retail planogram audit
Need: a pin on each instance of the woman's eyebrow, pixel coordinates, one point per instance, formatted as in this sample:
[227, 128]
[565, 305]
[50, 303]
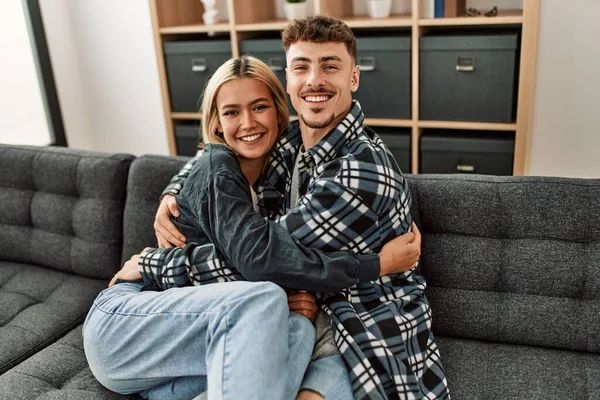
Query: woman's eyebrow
[260, 99]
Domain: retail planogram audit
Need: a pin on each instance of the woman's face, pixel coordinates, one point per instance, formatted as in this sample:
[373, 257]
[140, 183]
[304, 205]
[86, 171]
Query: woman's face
[247, 117]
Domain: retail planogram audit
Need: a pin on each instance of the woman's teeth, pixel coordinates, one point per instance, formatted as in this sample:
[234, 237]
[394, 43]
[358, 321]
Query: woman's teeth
[251, 138]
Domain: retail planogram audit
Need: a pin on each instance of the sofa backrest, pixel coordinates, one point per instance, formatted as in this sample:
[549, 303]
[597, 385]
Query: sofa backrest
[512, 259]
[148, 177]
[62, 208]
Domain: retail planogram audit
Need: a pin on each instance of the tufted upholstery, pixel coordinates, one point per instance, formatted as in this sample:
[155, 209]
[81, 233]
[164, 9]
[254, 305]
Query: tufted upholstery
[62, 209]
[60, 241]
[148, 177]
[59, 372]
[513, 261]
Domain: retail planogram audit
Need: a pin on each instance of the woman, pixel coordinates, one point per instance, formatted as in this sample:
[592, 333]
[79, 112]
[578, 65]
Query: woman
[173, 344]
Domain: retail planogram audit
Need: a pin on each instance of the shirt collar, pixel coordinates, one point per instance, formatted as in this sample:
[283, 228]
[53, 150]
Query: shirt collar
[328, 147]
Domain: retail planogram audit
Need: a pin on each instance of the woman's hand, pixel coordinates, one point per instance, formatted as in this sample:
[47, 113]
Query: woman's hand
[130, 271]
[166, 233]
[304, 303]
[401, 254]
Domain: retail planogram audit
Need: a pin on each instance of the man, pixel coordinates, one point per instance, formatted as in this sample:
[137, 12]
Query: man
[334, 185]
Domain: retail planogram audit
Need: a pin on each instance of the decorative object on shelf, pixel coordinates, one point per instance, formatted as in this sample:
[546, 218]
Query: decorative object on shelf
[211, 13]
[473, 12]
[428, 9]
[379, 8]
[454, 8]
[439, 9]
[295, 9]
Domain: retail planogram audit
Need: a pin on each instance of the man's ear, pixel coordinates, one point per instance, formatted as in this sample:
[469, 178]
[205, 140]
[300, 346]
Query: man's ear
[355, 78]
[287, 81]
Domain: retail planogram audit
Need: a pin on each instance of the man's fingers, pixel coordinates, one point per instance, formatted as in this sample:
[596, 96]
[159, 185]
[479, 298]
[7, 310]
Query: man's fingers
[417, 234]
[168, 239]
[171, 203]
[302, 305]
[301, 297]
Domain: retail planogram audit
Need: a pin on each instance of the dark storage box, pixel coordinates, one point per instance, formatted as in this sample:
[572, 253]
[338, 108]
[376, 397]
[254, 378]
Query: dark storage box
[469, 77]
[474, 152]
[189, 65]
[270, 51]
[187, 137]
[384, 85]
[398, 141]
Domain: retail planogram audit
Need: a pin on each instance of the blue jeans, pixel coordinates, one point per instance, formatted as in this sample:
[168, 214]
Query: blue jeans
[237, 339]
[328, 377]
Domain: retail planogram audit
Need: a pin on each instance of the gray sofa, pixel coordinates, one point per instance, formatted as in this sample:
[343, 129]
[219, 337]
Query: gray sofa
[512, 265]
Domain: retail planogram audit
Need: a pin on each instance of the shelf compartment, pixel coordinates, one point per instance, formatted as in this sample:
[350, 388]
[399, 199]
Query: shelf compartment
[248, 12]
[483, 126]
[506, 17]
[400, 20]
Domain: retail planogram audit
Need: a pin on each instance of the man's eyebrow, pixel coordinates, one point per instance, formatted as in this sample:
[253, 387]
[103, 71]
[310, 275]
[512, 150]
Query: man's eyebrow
[321, 59]
[300, 58]
[260, 99]
[330, 58]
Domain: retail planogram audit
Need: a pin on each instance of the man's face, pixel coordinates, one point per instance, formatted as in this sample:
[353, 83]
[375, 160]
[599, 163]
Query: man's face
[321, 78]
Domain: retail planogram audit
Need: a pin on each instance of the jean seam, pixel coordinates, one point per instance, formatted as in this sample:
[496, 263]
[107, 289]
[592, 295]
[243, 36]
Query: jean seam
[226, 350]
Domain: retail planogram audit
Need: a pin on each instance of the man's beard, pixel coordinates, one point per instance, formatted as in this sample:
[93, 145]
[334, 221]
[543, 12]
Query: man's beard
[317, 124]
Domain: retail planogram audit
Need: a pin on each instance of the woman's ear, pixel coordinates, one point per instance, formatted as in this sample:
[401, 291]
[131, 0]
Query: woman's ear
[219, 127]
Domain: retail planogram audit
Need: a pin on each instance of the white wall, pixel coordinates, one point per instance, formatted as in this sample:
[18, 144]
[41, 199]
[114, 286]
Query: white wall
[566, 117]
[22, 111]
[106, 73]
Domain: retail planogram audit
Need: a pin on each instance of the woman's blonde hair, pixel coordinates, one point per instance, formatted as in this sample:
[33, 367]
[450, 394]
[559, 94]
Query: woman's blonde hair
[238, 68]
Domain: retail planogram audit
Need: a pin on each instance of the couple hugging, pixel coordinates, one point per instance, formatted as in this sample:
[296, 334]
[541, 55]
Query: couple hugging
[287, 253]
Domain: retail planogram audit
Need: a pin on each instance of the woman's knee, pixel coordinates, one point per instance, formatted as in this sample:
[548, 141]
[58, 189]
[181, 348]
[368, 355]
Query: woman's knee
[268, 295]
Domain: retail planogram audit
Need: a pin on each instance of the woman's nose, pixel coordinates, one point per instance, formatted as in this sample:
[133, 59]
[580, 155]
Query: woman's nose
[248, 121]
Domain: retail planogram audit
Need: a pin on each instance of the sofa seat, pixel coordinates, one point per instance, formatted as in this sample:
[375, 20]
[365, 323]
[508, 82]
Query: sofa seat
[38, 306]
[59, 372]
[486, 370]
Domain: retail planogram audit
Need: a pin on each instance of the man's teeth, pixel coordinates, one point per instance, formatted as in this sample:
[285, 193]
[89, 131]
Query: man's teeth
[251, 138]
[316, 99]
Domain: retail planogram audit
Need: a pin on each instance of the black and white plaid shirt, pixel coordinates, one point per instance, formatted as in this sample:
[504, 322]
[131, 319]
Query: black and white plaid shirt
[353, 197]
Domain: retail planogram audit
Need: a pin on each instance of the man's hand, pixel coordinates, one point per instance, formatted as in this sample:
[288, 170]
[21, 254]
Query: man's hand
[401, 254]
[167, 234]
[130, 271]
[304, 303]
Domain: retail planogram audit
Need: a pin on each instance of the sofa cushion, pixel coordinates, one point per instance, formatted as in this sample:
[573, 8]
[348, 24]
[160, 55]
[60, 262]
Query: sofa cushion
[38, 306]
[59, 372]
[62, 208]
[148, 177]
[512, 259]
[482, 370]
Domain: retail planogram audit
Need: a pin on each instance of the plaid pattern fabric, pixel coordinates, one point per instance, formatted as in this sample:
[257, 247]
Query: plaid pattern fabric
[354, 198]
[183, 266]
[174, 187]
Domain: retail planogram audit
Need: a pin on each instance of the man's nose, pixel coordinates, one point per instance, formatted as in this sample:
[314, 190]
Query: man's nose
[315, 78]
